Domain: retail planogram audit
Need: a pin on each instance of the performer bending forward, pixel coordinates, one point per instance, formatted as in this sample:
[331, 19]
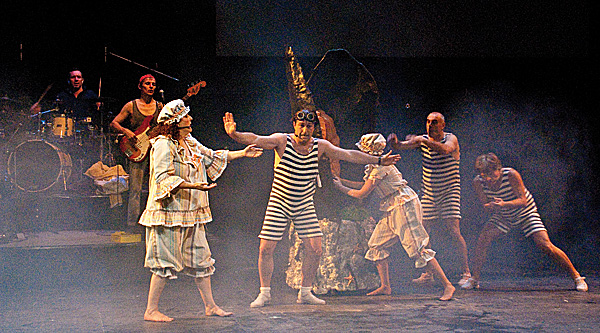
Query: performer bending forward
[402, 219]
[177, 207]
[502, 193]
[294, 184]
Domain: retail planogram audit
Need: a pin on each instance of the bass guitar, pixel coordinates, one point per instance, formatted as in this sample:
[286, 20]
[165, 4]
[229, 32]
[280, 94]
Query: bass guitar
[136, 148]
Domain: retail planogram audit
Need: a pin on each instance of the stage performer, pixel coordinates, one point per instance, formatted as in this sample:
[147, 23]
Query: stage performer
[402, 219]
[139, 115]
[502, 193]
[440, 185]
[177, 208]
[291, 199]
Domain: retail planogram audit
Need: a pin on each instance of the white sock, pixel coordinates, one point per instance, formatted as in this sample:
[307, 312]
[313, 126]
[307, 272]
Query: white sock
[304, 290]
[265, 291]
[305, 296]
[264, 297]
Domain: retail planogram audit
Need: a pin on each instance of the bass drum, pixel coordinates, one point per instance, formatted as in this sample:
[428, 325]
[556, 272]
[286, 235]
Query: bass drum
[37, 166]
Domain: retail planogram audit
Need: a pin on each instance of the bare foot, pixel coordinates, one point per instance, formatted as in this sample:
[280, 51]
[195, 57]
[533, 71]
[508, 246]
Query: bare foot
[448, 292]
[156, 316]
[383, 290]
[217, 311]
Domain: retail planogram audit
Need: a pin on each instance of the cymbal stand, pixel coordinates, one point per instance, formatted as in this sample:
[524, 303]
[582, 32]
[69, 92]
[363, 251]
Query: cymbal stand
[39, 117]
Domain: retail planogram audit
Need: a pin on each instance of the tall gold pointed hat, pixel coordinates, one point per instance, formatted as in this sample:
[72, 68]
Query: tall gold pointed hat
[300, 95]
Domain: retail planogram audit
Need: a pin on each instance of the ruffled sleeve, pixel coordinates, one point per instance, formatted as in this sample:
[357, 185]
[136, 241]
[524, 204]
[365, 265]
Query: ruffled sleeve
[164, 168]
[215, 161]
[218, 163]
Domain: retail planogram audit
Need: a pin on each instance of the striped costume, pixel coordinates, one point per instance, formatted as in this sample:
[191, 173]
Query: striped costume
[527, 218]
[291, 198]
[440, 184]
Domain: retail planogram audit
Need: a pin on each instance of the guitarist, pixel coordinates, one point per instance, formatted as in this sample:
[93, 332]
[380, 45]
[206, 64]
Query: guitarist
[136, 113]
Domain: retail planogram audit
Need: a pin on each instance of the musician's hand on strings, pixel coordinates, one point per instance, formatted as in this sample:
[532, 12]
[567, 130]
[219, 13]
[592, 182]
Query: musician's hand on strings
[129, 134]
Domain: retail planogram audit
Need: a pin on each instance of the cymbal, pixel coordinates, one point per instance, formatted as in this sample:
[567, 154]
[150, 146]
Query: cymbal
[7, 99]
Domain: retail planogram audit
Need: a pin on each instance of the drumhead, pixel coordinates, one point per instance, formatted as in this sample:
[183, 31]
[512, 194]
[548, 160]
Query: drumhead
[37, 165]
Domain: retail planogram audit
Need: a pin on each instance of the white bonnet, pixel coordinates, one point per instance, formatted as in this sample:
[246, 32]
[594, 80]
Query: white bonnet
[172, 112]
[373, 143]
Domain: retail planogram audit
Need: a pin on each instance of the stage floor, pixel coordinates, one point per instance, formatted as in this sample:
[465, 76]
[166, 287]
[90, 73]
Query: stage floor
[103, 288]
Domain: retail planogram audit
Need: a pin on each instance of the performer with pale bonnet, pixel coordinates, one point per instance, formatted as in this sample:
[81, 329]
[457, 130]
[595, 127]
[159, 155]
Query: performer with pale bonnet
[401, 220]
[178, 210]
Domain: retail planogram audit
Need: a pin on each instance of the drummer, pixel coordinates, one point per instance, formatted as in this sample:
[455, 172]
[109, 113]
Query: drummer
[76, 101]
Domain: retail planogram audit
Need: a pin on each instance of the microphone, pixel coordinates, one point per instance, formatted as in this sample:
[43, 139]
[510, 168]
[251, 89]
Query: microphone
[162, 94]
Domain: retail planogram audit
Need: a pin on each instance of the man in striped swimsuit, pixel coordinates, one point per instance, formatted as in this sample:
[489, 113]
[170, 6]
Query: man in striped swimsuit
[502, 193]
[294, 184]
[440, 184]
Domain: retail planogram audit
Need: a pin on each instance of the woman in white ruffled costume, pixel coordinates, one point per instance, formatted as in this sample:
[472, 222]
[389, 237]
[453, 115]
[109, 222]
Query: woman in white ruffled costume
[401, 220]
[177, 208]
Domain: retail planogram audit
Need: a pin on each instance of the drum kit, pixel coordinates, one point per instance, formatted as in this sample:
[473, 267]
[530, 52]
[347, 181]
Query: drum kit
[50, 150]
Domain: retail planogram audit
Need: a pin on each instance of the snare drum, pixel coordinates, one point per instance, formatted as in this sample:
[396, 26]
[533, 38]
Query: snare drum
[62, 126]
[38, 165]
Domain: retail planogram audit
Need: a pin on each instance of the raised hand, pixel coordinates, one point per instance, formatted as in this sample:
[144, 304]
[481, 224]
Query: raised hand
[229, 123]
[392, 139]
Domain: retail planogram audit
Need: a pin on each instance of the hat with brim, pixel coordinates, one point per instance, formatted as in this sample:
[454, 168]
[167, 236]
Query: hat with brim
[373, 144]
[172, 112]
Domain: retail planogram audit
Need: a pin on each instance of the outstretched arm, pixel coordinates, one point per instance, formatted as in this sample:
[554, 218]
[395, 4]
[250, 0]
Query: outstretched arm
[362, 192]
[355, 156]
[349, 183]
[448, 147]
[396, 144]
[272, 141]
[249, 151]
[196, 186]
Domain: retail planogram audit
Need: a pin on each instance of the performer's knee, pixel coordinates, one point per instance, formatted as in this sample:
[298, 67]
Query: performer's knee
[266, 248]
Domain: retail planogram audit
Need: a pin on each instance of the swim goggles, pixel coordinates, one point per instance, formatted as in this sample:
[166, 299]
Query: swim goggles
[306, 115]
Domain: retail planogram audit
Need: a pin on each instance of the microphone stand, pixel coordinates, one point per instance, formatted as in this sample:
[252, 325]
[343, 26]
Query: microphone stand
[106, 54]
[140, 65]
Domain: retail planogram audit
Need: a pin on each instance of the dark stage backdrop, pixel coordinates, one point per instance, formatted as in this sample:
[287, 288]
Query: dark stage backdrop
[513, 78]
[408, 28]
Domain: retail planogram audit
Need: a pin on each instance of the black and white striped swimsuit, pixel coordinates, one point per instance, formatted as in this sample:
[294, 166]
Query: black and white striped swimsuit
[440, 184]
[527, 218]
[291, 198]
